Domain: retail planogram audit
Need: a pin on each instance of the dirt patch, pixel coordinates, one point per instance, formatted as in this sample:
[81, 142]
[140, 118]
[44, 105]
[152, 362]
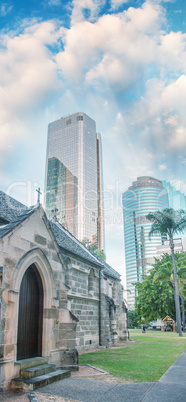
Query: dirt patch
[95, 373]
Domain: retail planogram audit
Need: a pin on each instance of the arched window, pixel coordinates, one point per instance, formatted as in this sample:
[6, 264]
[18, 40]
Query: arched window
[91, 282]
[67, 271]
[114, 294]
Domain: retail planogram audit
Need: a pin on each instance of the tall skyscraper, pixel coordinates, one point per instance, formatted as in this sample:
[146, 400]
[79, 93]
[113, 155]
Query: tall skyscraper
[61, 195]
[100, 221]
[177, 199]
[73, 142]
[147, 194]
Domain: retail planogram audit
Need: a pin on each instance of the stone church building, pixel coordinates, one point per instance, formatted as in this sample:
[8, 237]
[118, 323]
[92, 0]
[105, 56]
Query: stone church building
[56, 297]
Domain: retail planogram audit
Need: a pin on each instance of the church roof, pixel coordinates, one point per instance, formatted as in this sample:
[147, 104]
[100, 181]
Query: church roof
[10, 208]
[5, 229]
[108, 270]
[13, 212]
[68, 242]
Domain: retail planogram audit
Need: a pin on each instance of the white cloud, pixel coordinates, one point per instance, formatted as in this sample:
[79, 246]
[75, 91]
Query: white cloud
[150, 155]
[117, 3]
[172, 52]
[112, 54]
[179, 184]
[162, 166]
[54, 2]
[171, 120]
[5, 9]
[174, 96]
[28, 77]
[113, 49]
[178, 141]
[116, 50]
[85, 9]
[160, 115]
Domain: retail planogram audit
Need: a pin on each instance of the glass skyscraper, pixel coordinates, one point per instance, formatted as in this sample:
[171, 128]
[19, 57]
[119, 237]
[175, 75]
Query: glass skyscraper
[62, 195]
[73, 141]
[177, 199]
[147, 194]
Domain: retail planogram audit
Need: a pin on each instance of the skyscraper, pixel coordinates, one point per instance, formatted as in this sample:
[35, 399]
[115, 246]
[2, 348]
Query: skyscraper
[72, 140]
[147, 194]
[100, 221]
[177, 199]
[61, 195]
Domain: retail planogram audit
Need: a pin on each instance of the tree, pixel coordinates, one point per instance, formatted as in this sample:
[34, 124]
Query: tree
[155, 299]
[99, 253]
[165, 272]
[94, 248]
[132, 319]
[167, 223]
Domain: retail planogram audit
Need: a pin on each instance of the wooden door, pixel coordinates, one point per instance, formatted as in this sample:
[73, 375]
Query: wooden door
[30, 319]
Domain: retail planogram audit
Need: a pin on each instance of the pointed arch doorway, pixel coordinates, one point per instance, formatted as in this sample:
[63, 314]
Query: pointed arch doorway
[30, 317]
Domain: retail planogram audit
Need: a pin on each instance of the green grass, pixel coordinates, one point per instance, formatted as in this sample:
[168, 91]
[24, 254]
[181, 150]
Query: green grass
[144, 359]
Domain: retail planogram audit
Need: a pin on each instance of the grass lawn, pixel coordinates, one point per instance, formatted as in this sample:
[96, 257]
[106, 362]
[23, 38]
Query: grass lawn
[145, 358]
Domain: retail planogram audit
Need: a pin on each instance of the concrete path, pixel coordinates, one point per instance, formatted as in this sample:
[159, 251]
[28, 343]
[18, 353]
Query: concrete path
[170, 388]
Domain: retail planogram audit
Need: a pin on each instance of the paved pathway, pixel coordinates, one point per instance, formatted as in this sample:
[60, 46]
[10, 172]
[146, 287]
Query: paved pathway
[170, 388]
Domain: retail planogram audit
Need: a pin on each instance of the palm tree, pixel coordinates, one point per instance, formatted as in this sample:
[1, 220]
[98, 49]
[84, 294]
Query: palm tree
[181, 285]
[165, 273]
[167, 223]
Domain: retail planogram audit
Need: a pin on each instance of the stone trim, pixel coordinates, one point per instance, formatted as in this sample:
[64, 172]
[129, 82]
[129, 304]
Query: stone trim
[37, 257]
[65, 251]
[71, 296]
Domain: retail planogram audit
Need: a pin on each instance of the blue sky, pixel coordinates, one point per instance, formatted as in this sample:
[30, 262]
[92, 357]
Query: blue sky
[121, 62]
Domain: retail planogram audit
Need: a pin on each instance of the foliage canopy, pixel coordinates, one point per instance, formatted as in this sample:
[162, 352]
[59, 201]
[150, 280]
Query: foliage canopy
[156, 291]
[169, 222]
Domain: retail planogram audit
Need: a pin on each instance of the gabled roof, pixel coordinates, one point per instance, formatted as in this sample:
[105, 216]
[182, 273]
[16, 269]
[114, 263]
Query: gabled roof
[10, 208]
[13, 213]
[108, 270]
[68, 242]
[5, 229]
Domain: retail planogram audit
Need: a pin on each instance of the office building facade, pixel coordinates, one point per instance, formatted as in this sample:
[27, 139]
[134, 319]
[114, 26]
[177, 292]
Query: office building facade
[147, 194]
[62, 195]
[73, 141]
[100, 220]
[177, 199]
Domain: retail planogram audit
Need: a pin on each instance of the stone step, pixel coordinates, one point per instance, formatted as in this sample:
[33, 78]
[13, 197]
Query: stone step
[34, 361]
[37, 370]
[30, 384]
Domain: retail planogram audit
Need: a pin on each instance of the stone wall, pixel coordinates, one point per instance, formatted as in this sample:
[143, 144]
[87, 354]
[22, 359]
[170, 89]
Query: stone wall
[76, 313]
[83, 301]
[86, 304]
[33, 243]
[113, 312]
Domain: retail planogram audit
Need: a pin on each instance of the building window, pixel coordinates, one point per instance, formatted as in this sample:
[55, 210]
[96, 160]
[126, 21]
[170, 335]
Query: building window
[68, 121]
[68, 266]
[114, 293]
[79, 118]
[91, 282]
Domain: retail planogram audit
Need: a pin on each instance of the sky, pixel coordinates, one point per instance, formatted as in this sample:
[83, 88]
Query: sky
[121, 62]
